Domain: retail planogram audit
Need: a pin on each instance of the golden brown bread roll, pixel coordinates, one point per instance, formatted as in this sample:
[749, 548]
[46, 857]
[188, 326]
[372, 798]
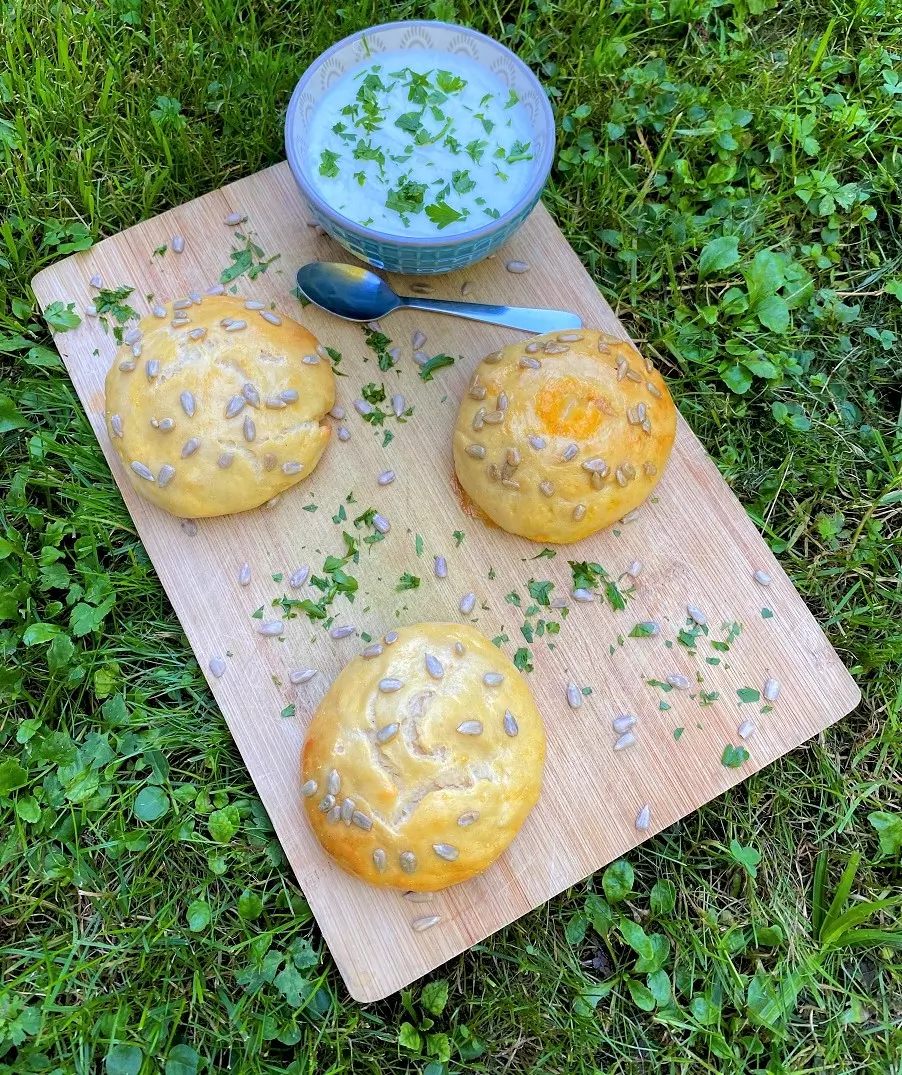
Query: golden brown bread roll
[218, 407]
[564, 435]
[423, 758]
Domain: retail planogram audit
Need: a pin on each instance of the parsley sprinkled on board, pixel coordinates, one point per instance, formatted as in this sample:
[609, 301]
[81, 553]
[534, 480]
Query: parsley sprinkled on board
[249, 260]
[160, 251]
[408, 582]
[437, 362]
[379, 343]
[642, 630]
[289, 710]
[522, 659]
[387, 437]
[677, 733]
[458, 536]
[418, 544]
[733, 757]
[748, 694]
[540, 590]
[373, 393]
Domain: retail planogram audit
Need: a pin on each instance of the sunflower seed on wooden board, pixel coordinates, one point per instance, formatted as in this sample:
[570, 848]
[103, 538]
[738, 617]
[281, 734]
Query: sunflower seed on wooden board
[271, 627]
[467, 603]
[96, 281]
[180, 304]
[422, 924]
[635, 569]
[337, 412]
[762, 578]
[362, 407]
[178, 244]
[511, 727]
[419, 338]
[420, 357]
[344, 433]
[418, 897]
[159, 311]
[299, 676]
[434, 666]
[679, 682]
[771, 690]
[309, 788]
[574, 695]
[91, 310]
[631, 516]
[581, 594]
[297, 578]
[217, 667]
[625, 741]
[517, 266]
[254, 304]
[386, 477]
[215, 289]
[342, 632]
[746, 729]
[470, 727]
[441, 567]
[381, 524]
[696, 615]
[643, 818]
[623, 724]
[398, 404]
[189, 526]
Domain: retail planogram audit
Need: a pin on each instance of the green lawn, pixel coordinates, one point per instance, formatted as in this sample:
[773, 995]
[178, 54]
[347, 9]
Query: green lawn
[731, 178]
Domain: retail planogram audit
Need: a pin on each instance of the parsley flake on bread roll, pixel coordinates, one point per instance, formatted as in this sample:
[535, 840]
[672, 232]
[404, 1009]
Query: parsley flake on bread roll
[423, 759]
[216, 405]
[563, 436]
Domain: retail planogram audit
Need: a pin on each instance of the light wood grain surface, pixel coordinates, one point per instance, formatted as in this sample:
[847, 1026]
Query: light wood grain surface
[695, 540]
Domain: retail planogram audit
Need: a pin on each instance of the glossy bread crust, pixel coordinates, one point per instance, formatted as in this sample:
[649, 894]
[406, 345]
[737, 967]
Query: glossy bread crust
[214, 370]
[413, 788]
[563, 435]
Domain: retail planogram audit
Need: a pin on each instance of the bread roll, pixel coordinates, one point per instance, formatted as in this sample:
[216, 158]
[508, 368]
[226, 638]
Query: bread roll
[423, 758]
[210, 421]
[564, 435]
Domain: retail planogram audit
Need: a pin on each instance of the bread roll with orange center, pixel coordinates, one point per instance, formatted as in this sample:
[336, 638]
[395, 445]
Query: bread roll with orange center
[217, 407]
[563, 436]
[423, 759]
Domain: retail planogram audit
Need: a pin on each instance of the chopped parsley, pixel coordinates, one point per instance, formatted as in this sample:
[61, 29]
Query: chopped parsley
[328, 164]
[379, 343]
[458, 536]
[643, 630]
[289, 710]
[748, 694]
[441, 214]
[733, 757]
[437, 362]
[408, 582]
[522, 659]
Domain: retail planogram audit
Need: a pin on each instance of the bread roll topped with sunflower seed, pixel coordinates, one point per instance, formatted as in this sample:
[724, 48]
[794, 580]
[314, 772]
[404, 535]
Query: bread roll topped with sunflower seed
[423, 759]
[216, 404]
[564, 435]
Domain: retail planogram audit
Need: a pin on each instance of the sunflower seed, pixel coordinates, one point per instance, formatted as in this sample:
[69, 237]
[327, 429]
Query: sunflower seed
[635, 568]
[271, 317]
[418, 897]
[579, 512]
[771, 690]
[419, 339]
[398, 405]
[235, 326]
[235, 406]
[300, 676]
[394, 352]
[470, 727]
[178, 244]
[513, 457]
[251, 394]
[555, 349]
[494, 357]
[650, 469]
[493, 679]
[557, 602]
[746, 729]
[180, 320]
[434, 666]
[653, 389]
[465, 287]
[190, 447]
[574, 696]
[225, 460]
[622, 367]
[408, 861]
[517, 266]
[167, 473]
[347, 811]
[762, 578]
[269, 461]
[441, 567]
[137, 350]
[531, 348]
[501, 402]
[622, 479]
[595, 465]
[158, 311]
[510, 723]
[420, 357]
[642, 412]
[152, 368]
[131, 335]
[530, 364]
[476, 391]
[649, 628]
[226, 321]
[624, 723]
[215, 289]
[362, 407]
[422, 924]
[387, 732]
[468, 818]
[142, 471]
[326, 803]
[343, 632]
[389, 685]
[361, 820]
[386, 477]
[446, 851]
[344, 433]
[166, 425]
[494, 418]
[643, 818]
[321, 351]
[334, 815]
[467, 603]
[271, 627]
[188, 405]
[309, 789]
[96, 281]
[631, 516]
[127, 366]
[570, 452]
[292, 467]
[570, 337]
[537, 442]
[681, 683]
[381, 524]
[696, 614]
[380, 859]
[297, 578]
[582, 594]
[181, 304]
[312, 360]
[632, 416]
[479, 419]
[195, 297]
[288, 395]
[91, 310]
[371, 651]
[509, 483]
[475, 450]
[116, 425]
[390, 638]
[546, 488]
[250, 429]
[254, 304]
[275, 403]
[625, 741]
[333, 782]
[459, 649]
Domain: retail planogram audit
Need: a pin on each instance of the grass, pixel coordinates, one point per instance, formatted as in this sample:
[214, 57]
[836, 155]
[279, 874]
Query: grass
[729, 173]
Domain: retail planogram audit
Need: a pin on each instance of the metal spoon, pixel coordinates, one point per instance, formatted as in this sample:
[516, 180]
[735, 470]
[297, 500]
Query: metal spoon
[356, 294]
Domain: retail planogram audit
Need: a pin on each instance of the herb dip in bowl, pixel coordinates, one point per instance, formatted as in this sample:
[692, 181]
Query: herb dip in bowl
[421, 147]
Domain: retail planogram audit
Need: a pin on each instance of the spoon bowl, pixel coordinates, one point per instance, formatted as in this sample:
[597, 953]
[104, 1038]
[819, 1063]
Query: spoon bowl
[356, 294]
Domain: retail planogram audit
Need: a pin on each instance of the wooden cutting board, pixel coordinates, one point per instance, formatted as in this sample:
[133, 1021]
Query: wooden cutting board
[696, 542]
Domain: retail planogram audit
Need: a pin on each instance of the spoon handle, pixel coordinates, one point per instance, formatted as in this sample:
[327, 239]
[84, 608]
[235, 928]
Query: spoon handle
[521, 317]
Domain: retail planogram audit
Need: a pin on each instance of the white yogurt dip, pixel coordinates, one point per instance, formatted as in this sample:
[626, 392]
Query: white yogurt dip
[420, 143]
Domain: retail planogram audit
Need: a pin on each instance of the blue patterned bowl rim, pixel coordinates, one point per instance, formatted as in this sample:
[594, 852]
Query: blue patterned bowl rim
[529, 195]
